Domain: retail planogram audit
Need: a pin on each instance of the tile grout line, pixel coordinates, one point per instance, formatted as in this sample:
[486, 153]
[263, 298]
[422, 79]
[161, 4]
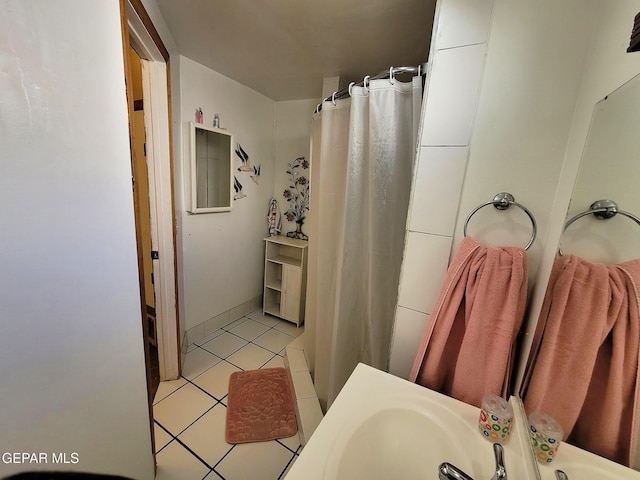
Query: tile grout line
[191, 424]
[252, 342]
[269, 327]
[184, 445]
[164, 398]
[167, 432]
[223, 457]
[247, 317]
[188, 449]
[216, 472]
[291, 460]
[278, 440]
[244, 339]
[218, 400]
[205, 370]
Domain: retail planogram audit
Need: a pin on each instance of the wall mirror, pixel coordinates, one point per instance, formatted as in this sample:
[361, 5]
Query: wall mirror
[210, 177]
[610, 169]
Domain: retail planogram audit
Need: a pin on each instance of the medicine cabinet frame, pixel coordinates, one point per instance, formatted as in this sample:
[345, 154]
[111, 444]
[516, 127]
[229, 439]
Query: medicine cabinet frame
[209, 179]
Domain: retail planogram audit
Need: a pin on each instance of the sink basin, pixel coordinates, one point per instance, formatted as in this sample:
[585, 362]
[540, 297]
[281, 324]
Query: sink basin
[382, 427]
[406, 443]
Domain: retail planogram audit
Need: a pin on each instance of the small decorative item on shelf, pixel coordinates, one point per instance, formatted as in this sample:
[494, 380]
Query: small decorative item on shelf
[199, 115]
[298, 197]
[274, 221]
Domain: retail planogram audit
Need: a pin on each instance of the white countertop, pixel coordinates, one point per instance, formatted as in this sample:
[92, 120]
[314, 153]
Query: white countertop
[381, 426]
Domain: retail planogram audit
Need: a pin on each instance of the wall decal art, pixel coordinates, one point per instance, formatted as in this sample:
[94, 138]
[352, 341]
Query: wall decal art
[244, 158]
[298, 196]
[237, 186]
[255, 176]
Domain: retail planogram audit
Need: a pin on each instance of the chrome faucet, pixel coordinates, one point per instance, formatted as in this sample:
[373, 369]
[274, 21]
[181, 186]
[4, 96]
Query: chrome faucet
[501, 471]
[446, 471]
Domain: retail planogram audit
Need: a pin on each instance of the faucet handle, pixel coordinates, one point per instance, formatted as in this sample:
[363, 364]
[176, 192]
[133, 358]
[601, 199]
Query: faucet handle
[446, 471]
[501, 471]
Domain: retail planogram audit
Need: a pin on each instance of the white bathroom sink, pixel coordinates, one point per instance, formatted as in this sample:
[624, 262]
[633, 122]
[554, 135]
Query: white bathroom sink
[404, 443]
[382, 427]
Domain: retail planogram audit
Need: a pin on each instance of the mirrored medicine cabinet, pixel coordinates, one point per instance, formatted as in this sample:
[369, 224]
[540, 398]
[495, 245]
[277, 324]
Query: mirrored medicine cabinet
[210, 176]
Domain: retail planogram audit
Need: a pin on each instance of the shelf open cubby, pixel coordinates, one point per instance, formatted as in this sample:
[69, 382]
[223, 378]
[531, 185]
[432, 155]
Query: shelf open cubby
[271, 301]
[285, 254]
[273, 275]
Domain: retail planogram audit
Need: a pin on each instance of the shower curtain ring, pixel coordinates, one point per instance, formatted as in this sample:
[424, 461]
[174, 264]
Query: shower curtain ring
[351, 87]
[333, 98]
[391, 77]
[365, 82]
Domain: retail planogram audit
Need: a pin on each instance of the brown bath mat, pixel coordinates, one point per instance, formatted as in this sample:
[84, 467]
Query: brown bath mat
[259, 406]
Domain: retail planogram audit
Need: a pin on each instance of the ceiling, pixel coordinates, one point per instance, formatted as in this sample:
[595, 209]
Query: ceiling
[284, 48]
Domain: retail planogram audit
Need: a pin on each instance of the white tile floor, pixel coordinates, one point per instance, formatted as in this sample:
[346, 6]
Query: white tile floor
[189, 413]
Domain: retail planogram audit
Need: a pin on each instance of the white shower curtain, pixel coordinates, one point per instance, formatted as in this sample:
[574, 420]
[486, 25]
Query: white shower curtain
[361, 165]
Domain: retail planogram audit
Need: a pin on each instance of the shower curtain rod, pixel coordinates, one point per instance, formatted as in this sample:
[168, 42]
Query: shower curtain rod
[391, 73]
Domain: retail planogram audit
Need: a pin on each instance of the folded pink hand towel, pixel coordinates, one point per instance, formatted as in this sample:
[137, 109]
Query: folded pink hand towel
[467, 348]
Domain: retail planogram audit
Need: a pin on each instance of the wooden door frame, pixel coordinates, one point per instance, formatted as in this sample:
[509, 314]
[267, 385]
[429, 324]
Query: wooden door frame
[138, 30]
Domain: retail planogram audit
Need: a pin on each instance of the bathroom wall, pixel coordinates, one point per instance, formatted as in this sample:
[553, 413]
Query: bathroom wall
[293, 132]
[499, 105]
[223, 253]
[524, 117]
[71, 349]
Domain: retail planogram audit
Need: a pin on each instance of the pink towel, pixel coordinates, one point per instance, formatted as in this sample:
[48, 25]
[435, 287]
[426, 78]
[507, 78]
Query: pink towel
[466, 351]
[585, 367]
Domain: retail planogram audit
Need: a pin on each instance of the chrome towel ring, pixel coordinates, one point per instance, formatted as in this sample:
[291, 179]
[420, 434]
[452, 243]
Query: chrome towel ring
[502, 201]
[602, 210]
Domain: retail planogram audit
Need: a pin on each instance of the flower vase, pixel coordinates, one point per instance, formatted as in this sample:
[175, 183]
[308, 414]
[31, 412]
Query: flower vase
[298, 234]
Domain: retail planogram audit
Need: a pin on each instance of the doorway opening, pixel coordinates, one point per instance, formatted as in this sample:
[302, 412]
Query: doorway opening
[140, 34]
[143, 225]
[147, 59]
